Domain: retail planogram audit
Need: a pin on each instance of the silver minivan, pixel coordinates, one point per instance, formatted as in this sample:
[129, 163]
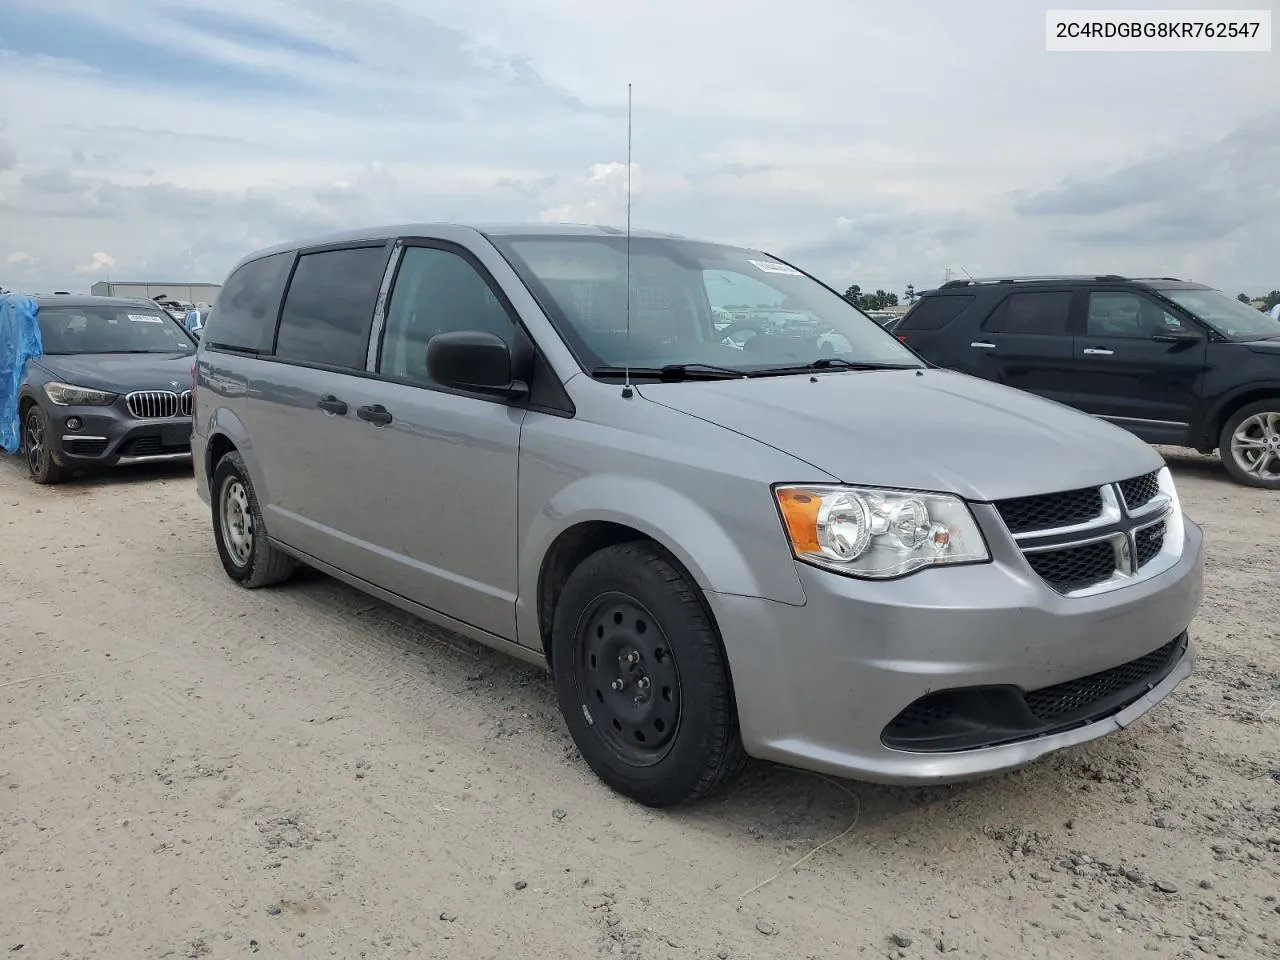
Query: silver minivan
[838, 558]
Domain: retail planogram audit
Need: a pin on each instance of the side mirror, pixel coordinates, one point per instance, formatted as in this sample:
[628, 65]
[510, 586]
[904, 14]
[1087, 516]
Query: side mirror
[1177, 336]
[473, 360]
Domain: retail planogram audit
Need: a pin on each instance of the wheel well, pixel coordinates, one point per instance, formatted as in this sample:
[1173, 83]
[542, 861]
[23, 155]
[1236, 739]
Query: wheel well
[570, 549]
[219, 447]
[25, 404]
[1220, 418]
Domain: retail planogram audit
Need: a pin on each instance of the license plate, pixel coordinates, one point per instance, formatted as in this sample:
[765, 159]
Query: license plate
[175, 434]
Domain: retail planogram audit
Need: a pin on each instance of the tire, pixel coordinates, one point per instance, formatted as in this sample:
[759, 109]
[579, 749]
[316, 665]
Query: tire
[669, 735]
[1258, 423]
[37, 435]
[247, 555]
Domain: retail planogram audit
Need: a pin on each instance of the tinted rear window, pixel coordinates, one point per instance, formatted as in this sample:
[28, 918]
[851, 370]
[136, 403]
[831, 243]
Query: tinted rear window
[329, 308]
[933, 313]
[1046, 313]
[244, 318]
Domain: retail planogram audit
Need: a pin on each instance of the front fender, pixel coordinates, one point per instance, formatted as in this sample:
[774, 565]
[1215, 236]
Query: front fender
[1206, 429]
[743, 553]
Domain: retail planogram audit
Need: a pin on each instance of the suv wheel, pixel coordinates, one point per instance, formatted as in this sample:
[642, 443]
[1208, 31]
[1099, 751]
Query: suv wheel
[36, 440]
[1250, 444]
[247, 555]
[641, 678]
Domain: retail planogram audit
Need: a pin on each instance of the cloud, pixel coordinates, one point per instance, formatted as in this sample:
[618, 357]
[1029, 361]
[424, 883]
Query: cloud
[22, 259]
[98, 263]
[874, 143]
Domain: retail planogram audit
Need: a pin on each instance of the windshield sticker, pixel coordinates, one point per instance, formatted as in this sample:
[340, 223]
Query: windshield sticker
[768, 266]
[145, 318]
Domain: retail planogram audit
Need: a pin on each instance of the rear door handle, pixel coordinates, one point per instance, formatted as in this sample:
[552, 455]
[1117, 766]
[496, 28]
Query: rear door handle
[332, 405]
[375, 413]
[1098, 352]
[982, 345]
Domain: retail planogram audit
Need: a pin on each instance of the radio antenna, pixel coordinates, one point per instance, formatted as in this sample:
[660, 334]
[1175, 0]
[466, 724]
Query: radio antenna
[626, 381]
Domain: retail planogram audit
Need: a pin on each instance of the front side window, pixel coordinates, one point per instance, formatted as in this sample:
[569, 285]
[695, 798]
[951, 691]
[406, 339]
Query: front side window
[1046, 313]
[110, 329]
[1129, 315]
[691, 304]
[328, 310]
[436, 291]
[1231, 318]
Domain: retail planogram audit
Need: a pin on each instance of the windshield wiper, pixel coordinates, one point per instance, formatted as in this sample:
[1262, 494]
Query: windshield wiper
[674, 372]
[830, 363]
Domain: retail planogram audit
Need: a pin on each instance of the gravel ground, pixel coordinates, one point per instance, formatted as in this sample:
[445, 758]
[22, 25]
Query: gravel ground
[188, 769]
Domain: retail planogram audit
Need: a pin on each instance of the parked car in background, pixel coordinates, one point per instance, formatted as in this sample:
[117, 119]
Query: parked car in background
[848, 563]
[112, 387]
[1173, 362]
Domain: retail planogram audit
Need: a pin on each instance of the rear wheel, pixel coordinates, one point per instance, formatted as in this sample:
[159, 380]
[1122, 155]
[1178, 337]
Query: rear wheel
[247, 555]
[1250, 444]
[641, 678]
[37, 440]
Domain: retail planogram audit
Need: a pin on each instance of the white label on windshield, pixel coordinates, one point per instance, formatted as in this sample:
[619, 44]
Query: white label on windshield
[145, 318]
[768, 266]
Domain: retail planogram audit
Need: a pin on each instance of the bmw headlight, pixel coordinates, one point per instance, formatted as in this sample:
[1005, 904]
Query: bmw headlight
[69, 395]
[877, 534]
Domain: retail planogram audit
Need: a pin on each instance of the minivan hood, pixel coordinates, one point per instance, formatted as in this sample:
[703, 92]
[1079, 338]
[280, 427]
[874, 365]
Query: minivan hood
[121, 372]
[921, 430]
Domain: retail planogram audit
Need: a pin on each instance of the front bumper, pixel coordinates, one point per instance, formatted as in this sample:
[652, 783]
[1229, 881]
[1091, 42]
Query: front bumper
[108, 436]
[817, 685]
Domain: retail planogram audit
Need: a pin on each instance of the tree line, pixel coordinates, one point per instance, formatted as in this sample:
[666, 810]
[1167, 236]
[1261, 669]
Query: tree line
[1268, 301]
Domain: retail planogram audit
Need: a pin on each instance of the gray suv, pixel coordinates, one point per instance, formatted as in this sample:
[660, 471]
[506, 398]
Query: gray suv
[835, 557]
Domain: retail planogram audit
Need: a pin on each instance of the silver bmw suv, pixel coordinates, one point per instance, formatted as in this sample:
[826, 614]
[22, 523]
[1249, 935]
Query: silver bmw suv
[813, 549]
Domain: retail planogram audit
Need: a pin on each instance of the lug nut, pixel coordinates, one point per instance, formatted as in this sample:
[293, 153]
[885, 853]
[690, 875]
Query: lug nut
[633, 657]
[643, 683]
[617, 684]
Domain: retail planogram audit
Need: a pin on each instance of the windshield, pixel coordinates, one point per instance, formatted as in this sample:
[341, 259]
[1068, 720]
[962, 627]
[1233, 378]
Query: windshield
[693, 304]
[1231, 318]
[110, 329]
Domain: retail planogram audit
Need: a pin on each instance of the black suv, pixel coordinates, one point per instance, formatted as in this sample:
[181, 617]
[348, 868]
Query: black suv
[1172, 361]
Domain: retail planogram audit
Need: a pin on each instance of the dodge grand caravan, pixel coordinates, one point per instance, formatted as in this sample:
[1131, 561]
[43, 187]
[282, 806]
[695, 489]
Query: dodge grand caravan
[846, 561]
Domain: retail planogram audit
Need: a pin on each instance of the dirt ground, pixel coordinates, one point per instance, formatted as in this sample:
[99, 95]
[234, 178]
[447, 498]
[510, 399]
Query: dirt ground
[188, 769]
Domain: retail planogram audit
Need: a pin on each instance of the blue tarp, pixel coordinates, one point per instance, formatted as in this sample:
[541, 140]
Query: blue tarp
[19, 342]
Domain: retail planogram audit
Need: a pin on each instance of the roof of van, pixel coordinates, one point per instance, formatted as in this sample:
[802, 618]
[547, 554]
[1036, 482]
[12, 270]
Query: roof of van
[486, 229]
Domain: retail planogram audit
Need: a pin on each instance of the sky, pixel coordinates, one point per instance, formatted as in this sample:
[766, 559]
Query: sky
[879, 143]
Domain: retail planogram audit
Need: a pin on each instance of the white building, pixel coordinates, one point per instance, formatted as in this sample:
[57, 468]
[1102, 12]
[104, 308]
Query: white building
[185, 292]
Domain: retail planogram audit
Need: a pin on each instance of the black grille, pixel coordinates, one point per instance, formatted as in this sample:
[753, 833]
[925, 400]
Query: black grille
[1042, 512]
[151, 447]
[85, 448]
[1074, 568]
[1140, 490]
[1150, 541]
[968, 718]
[1076, 696]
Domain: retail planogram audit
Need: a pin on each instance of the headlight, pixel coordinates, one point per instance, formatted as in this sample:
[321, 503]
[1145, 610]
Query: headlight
[865, 532]
[69, 395]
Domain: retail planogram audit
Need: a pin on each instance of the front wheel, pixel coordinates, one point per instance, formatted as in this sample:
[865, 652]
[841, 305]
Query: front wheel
[37, 440]
[642, 679]
[1250, 444]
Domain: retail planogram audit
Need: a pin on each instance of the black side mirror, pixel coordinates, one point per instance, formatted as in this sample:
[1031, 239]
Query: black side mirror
[1177, 336]
[473, 360]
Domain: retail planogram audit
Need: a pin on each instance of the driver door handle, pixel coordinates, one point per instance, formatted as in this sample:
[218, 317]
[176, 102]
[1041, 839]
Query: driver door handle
[332, 405]
[1098, 352]
[982, 345]
[375, 413]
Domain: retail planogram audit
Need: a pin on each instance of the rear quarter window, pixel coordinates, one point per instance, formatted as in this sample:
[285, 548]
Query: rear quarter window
[244, 318]
[933, 313]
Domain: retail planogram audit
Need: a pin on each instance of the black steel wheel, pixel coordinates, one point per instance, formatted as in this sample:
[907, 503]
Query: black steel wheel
[628, 668]
[642, 678]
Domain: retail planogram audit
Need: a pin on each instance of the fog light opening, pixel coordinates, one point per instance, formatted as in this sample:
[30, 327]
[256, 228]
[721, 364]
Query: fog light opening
[74, 423]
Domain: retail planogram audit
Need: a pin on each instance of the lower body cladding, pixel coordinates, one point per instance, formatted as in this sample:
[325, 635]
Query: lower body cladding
[86, 439]
[952, 674]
